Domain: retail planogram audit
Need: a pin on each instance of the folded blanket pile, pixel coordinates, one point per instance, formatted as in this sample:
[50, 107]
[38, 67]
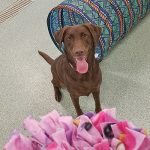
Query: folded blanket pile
[101, 131]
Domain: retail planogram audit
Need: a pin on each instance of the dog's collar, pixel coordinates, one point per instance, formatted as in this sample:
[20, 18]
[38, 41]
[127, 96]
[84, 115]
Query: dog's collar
[71, 65]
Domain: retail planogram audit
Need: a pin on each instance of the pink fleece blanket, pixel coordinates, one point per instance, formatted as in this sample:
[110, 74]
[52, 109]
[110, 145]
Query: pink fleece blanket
[90, 131]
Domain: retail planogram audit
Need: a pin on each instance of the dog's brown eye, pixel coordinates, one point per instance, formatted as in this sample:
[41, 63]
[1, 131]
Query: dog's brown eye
[84, 35]
[69, 37]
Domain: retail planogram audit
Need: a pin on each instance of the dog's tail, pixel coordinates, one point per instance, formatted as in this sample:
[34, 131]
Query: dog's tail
[46, 57]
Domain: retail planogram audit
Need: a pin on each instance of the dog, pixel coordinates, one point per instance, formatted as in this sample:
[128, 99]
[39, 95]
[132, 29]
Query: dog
[77, 69]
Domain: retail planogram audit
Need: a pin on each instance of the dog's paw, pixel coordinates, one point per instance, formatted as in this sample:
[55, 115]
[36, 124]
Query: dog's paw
[79, 113]
[97, 110]
[58, 97]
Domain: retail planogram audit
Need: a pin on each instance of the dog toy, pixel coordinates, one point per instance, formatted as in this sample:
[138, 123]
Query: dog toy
[101, 131]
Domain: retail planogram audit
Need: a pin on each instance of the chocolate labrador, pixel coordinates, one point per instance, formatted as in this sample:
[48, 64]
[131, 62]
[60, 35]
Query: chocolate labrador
[77, 69]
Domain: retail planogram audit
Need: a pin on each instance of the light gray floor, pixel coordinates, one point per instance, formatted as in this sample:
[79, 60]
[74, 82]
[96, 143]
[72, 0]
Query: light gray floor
[5, 4]
[25, 87]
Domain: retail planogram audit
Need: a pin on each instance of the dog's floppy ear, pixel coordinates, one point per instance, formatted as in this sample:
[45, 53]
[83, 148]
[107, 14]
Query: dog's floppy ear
[59, 36]
[95, 31]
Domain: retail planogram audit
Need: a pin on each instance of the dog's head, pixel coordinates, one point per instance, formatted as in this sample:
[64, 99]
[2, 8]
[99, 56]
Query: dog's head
[79, 44]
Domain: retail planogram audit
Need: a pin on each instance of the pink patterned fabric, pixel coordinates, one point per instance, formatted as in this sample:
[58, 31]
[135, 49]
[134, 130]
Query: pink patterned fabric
[90, 131]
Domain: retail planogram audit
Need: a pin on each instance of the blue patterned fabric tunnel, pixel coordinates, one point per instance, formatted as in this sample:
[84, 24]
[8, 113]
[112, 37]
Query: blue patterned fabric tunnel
[117, 17]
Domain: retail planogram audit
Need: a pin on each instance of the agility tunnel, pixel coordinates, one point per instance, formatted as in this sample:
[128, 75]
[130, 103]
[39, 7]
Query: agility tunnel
[117, 17]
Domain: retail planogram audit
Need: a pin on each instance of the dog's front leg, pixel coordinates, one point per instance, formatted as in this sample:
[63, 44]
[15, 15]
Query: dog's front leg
[76, 104]
[96, 96]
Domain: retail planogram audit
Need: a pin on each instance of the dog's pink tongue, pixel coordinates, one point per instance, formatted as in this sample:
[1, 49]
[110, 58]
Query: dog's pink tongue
[81, 66]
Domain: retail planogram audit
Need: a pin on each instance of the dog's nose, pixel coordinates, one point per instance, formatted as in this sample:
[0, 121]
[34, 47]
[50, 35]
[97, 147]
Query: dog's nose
[79, 52]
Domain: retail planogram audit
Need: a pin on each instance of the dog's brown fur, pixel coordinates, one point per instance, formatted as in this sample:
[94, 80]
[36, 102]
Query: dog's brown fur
[78, 41]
